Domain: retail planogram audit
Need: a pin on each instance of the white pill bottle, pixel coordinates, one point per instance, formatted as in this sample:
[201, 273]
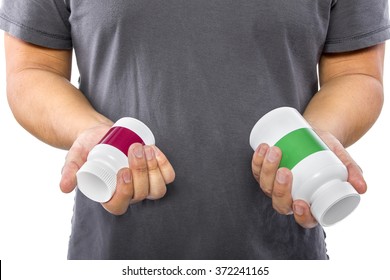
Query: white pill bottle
[96, 179]
[319, 177]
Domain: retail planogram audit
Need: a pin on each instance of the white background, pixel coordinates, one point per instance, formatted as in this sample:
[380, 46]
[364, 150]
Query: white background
[35, 217]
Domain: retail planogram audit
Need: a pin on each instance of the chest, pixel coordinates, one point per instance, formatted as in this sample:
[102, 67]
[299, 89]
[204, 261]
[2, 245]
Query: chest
[150, 20]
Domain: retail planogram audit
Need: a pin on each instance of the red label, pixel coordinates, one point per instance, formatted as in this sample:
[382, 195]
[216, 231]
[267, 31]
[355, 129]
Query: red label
[121, 138]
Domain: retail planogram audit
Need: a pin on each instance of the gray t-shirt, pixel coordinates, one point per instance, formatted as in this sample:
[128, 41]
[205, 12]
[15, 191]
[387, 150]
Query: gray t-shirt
[199, 73]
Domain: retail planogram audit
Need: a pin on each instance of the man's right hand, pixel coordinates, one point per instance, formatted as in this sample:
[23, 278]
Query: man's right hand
[146, 177]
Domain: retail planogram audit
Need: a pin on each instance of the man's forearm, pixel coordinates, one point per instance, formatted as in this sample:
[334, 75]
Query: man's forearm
[50, 107]
[346, 106]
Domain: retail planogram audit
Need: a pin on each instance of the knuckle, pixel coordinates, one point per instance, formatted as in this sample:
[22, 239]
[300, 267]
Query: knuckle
[116, 211]
[277, 151]
[154, 172]
[307, 224]
[282, 209]
[119, 212]
[126, 192]
[140, 195]
[256, 175]
[268, 169]
[305, 219]
[266, 182]
[152, 165]
[158, 193]
[73, 163]
[257, 160]
[141, 169]
[267, 191]
[278, 192]
[163, 162]
[169, 177]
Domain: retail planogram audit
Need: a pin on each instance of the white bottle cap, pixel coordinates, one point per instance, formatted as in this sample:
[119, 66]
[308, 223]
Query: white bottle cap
[333, 202]
[137, 127]
[96, 179]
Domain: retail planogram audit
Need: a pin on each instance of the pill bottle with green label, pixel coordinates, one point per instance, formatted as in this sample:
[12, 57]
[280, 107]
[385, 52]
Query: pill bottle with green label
[96, 179]
[319, 177]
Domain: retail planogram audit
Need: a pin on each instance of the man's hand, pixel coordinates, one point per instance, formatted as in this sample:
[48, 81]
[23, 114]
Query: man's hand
[146, 177]
[276, 182]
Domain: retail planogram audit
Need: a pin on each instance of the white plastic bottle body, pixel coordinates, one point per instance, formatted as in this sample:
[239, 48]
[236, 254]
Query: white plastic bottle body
[319, 177]
[316, 170]
[321, 180]
[96, 179]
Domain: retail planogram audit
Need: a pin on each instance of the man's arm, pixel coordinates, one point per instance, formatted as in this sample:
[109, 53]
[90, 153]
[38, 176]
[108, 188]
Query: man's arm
[45, 103]
[351, 95]
[41, 97]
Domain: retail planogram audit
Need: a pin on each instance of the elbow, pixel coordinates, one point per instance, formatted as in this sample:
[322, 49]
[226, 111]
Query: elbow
[376, 98]
[17, 90]
[370, 109]
[12, 94]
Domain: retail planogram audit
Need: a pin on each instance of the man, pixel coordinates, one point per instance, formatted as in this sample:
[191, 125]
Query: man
[199, 74]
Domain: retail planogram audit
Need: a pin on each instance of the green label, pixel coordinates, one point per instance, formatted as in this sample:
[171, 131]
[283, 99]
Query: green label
[297, 145]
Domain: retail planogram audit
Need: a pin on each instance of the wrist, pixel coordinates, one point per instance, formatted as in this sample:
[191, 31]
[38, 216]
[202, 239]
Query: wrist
[326, 125]
[93, 123]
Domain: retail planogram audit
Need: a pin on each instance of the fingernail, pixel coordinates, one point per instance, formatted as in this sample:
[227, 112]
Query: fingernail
[262, 150]
[298, 210]
[138, 151]
[272, 155]
[156, 151]
[281, 177]
[149, 153]
[126, 176]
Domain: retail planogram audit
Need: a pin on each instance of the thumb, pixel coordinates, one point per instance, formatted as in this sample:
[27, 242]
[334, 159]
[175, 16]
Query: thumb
[75, 158]
[355, 177]
[68, 177]
[355, 173]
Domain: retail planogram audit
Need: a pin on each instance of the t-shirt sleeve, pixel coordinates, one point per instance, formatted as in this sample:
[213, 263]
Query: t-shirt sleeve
[40, 22]
[357, 24]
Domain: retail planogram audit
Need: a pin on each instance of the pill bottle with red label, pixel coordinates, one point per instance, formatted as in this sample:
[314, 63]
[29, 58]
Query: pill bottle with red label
[96, 179]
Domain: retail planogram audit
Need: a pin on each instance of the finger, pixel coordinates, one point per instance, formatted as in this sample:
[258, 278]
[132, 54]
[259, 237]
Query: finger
[120, 201]
[165, 166]
[355, 177]
[257, 160]
[269, 168]
[157, 187]
[355, 174]
[303, 215]
[75, 158]
[281, 193]
[139, 170]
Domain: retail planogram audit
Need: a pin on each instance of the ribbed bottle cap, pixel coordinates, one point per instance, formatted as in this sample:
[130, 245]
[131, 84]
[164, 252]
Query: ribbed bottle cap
[333, 202]
[96, 181]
